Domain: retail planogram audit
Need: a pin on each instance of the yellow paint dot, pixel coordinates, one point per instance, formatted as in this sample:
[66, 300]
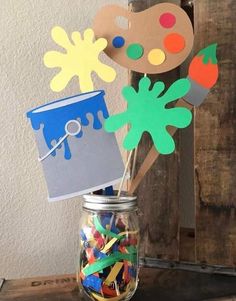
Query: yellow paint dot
[156, 56]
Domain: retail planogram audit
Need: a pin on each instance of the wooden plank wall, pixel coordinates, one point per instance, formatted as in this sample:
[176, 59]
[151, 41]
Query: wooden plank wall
[215, 139]
[214, 167]
[159, 192]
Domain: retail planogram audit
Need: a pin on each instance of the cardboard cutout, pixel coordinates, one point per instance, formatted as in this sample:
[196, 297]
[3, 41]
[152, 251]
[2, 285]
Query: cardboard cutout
[147, 111]
[158, 39]
[81, 59]
[78, 156]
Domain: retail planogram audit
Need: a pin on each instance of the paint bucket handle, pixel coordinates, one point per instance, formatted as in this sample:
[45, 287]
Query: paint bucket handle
[72, 128]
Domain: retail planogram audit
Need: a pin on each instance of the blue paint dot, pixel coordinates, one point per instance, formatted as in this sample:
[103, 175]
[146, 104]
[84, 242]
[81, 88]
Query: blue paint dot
[118, 42]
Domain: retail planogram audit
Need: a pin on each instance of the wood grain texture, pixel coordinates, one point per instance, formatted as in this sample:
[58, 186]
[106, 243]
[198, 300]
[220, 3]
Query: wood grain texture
[215, 139]
[187, 245]
[158, 194]
[155, 284]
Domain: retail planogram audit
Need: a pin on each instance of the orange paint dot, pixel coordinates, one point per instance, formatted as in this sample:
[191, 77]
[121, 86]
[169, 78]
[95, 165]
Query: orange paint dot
[174, 42]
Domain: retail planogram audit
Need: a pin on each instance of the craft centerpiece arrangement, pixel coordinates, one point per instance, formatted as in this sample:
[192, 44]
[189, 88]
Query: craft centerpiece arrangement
[75, 135]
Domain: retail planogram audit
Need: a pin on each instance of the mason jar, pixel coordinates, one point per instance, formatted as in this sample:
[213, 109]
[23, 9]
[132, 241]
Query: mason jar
[109, 234]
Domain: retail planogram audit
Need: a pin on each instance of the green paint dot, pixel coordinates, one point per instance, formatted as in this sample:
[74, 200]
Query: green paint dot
[134, 51]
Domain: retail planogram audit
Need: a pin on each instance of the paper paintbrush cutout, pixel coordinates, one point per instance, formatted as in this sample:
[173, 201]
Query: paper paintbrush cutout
[77, 155]
[203, 75]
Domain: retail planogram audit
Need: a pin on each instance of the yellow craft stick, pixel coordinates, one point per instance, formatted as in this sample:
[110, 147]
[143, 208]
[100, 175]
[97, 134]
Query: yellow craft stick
[109, 245]
[113, 273]
[118, 298]
[113, 240]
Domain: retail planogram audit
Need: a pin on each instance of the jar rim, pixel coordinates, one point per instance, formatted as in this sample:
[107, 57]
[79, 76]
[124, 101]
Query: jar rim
[113, 203]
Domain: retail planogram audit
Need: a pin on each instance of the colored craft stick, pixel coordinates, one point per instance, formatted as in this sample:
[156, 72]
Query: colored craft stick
[109, 190]
[99, 254]
[83, 236]
[131, 249]
[108, 291]
[126, 275]
[118, 298]
[90, 255]
[93, 282]
[128, 242]
[109, 223]
[109, 245]
[100, 229]
[81, 276]
[108, 261]
[98, 237]
[113, 273]
[112, 241]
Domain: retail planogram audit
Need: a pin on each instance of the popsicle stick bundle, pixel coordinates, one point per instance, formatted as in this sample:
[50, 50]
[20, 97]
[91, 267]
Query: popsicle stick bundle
[75, 135]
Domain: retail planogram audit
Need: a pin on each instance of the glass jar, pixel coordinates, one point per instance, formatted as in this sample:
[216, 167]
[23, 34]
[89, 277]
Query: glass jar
[109, 233]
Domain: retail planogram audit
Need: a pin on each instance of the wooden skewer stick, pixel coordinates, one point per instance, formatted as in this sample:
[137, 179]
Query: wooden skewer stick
[124, 174]
[153, 153]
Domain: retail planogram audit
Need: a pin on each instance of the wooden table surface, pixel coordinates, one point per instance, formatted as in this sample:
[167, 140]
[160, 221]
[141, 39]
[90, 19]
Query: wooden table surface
[155, 284]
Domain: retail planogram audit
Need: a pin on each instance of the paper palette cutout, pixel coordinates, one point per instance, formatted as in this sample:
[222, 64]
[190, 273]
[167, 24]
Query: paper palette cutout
[84, 162]
[80, 59]
[161, 37]
[147, 111]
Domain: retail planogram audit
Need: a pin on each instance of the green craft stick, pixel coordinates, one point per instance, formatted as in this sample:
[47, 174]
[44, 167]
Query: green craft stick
[106, 232]
[108, 261]
[132, 249]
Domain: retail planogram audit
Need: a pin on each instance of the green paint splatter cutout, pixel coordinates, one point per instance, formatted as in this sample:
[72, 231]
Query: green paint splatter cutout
[147, 111]
[209, 54]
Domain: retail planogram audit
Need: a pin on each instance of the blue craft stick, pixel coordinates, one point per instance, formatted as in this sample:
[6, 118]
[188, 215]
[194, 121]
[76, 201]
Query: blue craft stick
[83, 236]
[132, 272]
[93, 282]
[109, 190]
[115, 248]
[98, 254]
[120, 275]
[106, 221]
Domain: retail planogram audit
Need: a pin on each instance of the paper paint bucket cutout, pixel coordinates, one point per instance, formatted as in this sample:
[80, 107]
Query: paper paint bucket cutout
[77, 155]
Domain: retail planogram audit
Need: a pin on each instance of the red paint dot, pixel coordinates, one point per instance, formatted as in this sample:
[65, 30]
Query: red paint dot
[167, 20]
[174, 42]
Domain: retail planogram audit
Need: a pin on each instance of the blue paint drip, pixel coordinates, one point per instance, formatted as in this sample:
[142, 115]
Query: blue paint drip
[54, 120]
